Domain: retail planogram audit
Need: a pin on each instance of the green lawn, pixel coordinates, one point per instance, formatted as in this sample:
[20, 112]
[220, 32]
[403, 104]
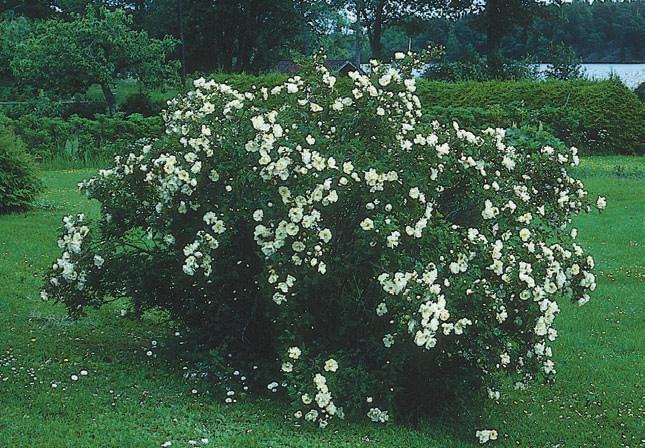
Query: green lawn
[129, 399]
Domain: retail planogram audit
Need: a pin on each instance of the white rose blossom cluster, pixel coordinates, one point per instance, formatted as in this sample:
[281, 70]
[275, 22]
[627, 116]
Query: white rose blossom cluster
[75, 263]
[323, 216]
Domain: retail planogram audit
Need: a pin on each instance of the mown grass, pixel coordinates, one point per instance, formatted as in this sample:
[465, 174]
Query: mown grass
[129, 399]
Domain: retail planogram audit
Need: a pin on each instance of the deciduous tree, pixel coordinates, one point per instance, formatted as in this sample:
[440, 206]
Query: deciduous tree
[98, 47]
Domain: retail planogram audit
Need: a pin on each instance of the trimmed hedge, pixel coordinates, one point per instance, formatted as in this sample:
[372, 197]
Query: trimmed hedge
[18, 183]
[83, 138]
[245, 82]
[599, 117]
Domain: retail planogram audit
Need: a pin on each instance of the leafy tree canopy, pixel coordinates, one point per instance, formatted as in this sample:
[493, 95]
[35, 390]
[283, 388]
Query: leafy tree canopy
[99, 47]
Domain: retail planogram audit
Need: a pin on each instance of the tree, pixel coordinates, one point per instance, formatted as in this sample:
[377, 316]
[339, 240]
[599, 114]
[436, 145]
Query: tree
[33, 9]
[229, 35]
[11, 33]
[376, 15]
[498, 18]
[100, 47]
[563, 63]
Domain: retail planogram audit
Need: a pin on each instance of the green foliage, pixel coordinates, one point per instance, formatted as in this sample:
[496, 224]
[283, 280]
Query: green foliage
[458, 71]
[18, 182]
[141, 103]
[23, 102]
[12, 32]
[83, 140]
[602, 117]
[96, 48]
[128, 87]
[563, 63]
[640, 91]
[477, 70]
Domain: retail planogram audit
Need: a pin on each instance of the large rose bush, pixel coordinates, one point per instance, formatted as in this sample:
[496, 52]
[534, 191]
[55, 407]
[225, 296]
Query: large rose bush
[338, 243]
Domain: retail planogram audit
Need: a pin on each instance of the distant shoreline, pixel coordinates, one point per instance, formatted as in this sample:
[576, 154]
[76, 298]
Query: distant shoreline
[607, 63]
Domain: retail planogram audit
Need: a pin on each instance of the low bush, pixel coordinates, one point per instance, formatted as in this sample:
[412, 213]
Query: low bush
[457, 71]
[141, 103]
[25, 102]
[83, 139]
[18, 183]
[477, 70]
[600, 117]
[335, 248]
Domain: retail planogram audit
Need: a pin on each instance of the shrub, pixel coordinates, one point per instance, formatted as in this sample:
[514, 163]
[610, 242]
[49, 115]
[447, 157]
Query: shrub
[458, 71]
[640, 91]
[140, 103]
[24, 101]
[99, 138]
[602, 117]
[364, 262]
[18, 183]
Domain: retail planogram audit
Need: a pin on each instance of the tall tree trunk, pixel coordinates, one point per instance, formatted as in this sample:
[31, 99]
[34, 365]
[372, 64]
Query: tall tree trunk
[357, 44]
[493, 39]
[244, 55]
[109, 98]
[246, 36]
[305, 37]
[377, 31]
[375, 43]
[182, 40]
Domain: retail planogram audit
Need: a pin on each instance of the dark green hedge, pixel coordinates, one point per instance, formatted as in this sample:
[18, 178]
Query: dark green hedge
[83, 139]
[600, 117]
[244, 82]
[18, 182]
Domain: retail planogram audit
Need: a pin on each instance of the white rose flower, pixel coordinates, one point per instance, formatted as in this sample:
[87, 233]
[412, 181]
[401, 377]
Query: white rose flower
[367, 224]
[98, 261]
[325, 235]
[294, 352]
[331, 365]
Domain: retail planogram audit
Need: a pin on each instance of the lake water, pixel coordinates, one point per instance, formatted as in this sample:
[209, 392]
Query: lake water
[631, 74]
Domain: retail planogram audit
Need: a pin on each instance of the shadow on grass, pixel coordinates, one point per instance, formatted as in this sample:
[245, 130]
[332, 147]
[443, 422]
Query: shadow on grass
[124, 347]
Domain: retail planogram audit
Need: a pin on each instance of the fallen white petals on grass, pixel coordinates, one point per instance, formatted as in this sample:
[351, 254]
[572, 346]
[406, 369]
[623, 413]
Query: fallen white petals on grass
[486, 435]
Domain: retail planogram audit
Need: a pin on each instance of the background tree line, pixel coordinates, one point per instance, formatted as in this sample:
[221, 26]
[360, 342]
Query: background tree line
[251, 35]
